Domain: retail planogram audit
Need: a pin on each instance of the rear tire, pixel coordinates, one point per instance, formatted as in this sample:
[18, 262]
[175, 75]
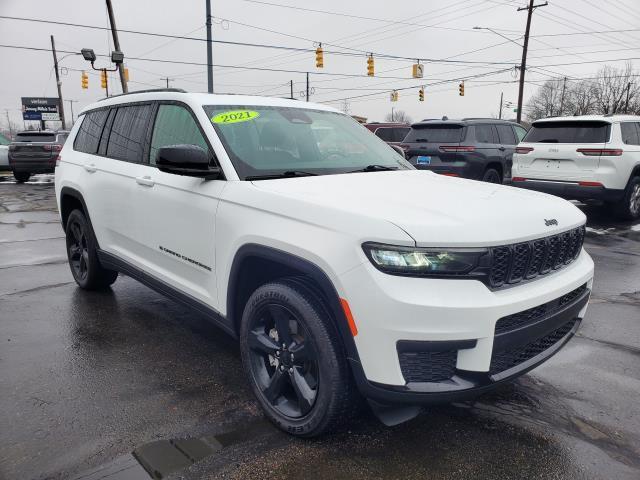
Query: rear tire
[21, 177]
[628, 208]
[295, 361]
[491, 175]
[82, 253]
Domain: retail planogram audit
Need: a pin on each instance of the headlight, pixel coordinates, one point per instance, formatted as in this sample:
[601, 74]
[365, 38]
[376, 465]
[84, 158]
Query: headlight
[423, 261]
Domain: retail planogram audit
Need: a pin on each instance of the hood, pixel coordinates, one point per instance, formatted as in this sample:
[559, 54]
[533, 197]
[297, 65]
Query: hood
[436, 210]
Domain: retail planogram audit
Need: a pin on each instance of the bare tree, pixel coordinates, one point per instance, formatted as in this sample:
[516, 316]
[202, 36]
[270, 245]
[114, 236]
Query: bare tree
[399, 116]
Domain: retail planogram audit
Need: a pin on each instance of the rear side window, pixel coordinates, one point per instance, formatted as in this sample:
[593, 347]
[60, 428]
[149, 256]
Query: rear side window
[569, 132]
[484, 134]
[505, 133]
[435, 134]
[128, 133]
[88, 136]
[385, 134]
[399, 133]
[630, 133]
[174, 125]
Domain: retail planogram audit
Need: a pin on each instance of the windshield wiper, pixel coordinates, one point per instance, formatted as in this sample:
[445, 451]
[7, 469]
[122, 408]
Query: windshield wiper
[374, 168]
[285, 174]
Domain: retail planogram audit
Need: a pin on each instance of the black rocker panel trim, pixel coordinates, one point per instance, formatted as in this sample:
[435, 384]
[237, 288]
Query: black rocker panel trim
[113, 262]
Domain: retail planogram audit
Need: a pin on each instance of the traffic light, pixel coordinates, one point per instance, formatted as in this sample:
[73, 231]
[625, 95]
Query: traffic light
[370, 65]
[103, 79]
[394, 96]
[85, 80]
[461, 89]
[319, 57]
[421, 94]
[126, 74]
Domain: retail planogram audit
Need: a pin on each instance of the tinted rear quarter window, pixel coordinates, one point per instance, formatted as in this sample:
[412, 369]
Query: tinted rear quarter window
[88, 136]
[128, 133]
[399, 133]
[520, 132]
[435, 134]
[385, 134]
[569, 132]
[630, 133]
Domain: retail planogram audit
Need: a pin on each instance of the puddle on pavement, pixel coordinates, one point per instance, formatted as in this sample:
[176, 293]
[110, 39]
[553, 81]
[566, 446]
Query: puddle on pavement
[160, 458]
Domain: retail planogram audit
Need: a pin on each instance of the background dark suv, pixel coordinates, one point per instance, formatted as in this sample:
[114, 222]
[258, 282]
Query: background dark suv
[35, 152]
[476, 148]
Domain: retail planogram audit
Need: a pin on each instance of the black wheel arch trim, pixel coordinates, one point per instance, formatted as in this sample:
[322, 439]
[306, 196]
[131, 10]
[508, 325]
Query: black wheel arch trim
[72, 192]
[307, 268]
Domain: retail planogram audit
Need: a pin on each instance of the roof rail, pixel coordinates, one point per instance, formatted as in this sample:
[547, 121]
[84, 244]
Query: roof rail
[481, 118]
[151, 90]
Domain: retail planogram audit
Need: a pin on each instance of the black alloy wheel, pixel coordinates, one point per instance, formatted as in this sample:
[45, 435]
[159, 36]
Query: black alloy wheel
[283, 360]
[78, 250]
[492, 176]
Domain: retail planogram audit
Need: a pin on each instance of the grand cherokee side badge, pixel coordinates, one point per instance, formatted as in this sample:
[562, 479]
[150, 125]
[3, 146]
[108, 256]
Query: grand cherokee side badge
[551, 221]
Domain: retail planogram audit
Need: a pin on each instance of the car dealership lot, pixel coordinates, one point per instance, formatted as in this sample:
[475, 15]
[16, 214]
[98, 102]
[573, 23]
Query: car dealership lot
[90, 377]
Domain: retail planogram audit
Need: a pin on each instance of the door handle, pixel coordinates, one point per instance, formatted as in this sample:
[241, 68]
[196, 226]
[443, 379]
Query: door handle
[145, 181]
[91, 168]
[502, 149]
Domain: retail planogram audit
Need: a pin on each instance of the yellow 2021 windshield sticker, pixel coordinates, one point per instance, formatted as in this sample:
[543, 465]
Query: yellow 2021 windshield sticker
[235, 116]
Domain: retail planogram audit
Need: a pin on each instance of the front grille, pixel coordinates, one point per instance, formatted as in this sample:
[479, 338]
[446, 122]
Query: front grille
[506, 359]
[532, 315]
[523, 261]
[428, 366]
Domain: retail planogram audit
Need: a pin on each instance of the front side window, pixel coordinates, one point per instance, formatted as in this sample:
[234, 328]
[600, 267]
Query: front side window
[128, 133]
[265, 140]
[88, 136]
[175, 125]
[583, 131]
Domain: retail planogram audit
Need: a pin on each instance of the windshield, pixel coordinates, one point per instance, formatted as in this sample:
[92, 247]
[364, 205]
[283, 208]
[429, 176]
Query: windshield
[267, 141]
[568, 132]
[435, 134]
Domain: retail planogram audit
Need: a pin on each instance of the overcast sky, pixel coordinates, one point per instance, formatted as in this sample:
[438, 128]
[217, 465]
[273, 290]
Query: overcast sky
[434, 29]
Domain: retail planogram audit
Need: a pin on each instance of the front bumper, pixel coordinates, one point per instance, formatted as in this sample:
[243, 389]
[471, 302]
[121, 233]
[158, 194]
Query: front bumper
[571, 190]
[458, 316]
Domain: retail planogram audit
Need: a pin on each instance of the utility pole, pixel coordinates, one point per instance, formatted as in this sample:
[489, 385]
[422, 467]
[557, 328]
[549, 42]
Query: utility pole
[523, 65]
[564, 86]
[71, 102]
[6, 110]
[167, 79]
[209, 49]
[58, 82]
[626, 104]
[307, 86]
[291, 84]
[116, 44]
[500, 114]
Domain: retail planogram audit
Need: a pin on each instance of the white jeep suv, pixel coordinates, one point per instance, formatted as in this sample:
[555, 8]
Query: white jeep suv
[591, 157]
[342, 270]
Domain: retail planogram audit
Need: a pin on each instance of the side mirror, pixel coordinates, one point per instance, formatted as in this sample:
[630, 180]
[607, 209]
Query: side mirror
[187, 160]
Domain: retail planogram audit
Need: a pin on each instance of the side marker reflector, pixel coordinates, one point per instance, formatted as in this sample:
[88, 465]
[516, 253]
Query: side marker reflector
[350, 320]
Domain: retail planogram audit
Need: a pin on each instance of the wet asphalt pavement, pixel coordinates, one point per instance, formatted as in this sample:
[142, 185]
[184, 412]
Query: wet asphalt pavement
[92, 385]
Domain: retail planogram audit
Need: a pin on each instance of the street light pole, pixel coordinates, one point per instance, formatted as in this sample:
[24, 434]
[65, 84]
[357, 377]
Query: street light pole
[116, 44]
[58, 82]
[71, 102]
[209, 49]
[500, 114]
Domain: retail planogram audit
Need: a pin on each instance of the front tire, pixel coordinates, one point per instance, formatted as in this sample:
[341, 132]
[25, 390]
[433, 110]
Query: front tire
[83, 255]
[295, 361]
[628, 208]
[22, 177]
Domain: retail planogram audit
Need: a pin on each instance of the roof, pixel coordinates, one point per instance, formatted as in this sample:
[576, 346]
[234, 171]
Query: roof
[600, 118]
[206, 99]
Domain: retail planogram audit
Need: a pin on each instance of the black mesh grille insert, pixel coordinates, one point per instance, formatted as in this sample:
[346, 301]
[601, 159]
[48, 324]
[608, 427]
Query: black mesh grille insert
[514, 263]
[428, 366]
[532, 315]
[506, 359]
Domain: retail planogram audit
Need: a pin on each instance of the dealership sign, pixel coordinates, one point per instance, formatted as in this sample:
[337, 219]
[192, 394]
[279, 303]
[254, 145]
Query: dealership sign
[40, 108]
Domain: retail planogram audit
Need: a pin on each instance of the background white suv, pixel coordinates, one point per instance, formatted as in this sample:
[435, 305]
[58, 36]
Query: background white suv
[341, 269]
[591, 157]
